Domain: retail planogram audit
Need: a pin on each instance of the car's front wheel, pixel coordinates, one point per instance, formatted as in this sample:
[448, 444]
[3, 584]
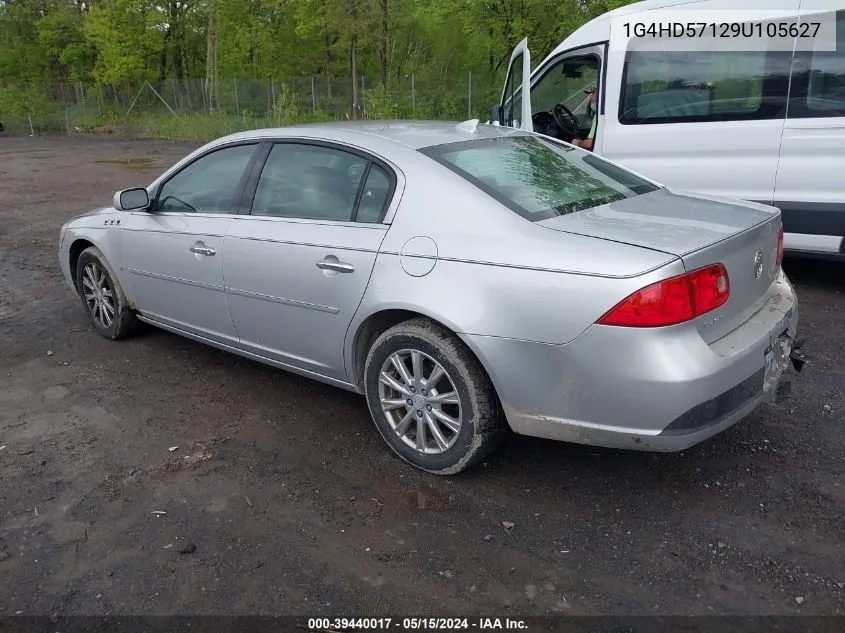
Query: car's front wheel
[104, 300]
[430, 398]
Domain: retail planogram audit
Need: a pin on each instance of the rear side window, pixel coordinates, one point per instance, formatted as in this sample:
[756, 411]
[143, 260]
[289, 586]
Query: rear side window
[314, 182]
[538, 178]
[308, 182]
[677, 86]
[818, 80]
[373, 195]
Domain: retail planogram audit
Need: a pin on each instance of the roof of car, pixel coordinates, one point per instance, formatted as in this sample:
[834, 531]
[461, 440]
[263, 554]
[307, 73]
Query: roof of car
[413, 134]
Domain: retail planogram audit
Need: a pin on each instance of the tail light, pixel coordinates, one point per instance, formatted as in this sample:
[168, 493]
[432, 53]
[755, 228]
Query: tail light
[779, 257]
[673, 300]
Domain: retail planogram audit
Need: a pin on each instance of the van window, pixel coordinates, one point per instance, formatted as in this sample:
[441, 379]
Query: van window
[818, 82]
[687, 86]
[565, 83]
[538, 178]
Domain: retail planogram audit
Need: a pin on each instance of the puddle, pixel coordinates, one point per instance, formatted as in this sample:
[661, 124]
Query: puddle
[133, 164]
[426, 498]
[421, 498]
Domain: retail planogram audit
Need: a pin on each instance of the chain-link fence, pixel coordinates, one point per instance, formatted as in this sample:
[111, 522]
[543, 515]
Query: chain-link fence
[198, 109]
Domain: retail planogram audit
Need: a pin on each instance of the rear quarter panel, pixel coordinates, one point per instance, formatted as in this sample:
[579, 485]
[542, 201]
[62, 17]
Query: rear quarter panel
[494, 273]
[488, 300]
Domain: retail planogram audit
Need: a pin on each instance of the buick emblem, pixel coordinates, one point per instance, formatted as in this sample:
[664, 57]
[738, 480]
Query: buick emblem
[758, 264]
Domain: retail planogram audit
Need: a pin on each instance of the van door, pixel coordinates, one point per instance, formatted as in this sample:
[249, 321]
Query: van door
[708, 120]
[809, 179]
[514, 109]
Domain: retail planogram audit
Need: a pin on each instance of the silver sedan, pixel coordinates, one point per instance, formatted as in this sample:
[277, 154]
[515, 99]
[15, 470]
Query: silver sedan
[467, 279]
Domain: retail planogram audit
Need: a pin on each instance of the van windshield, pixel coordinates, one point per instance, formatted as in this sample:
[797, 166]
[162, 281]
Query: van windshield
[536, 177]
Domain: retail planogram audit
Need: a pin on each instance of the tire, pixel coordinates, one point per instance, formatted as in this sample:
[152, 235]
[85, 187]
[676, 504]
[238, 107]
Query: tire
[482, 425]
[92, 266]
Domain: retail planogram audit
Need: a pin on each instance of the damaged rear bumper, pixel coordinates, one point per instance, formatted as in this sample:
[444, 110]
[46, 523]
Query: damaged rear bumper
[663, 389]
[769, 385]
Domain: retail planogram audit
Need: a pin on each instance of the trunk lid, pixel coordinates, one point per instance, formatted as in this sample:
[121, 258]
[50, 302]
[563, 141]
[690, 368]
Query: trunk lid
[700, 230]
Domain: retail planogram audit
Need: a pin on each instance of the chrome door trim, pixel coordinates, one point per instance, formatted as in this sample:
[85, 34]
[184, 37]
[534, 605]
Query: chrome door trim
[283, 301]
[179, 280]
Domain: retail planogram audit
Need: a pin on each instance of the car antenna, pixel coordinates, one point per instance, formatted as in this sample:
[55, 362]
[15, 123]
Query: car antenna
[468, 126]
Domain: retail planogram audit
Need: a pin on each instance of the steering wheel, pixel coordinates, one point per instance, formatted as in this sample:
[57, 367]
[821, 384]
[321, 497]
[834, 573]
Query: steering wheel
[565, 120]
[544, 123]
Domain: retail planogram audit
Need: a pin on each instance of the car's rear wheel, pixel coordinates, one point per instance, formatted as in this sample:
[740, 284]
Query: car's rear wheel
[430, 398]
[102, 297]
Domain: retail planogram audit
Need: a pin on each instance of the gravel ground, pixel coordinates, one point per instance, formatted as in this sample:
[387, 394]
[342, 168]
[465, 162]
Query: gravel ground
[284, 499]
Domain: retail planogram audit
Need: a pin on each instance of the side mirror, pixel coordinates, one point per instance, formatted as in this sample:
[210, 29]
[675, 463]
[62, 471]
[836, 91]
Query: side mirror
[133, 199]
[497, 113]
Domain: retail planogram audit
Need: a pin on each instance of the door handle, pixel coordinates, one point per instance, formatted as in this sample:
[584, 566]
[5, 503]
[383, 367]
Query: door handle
[335, 265]
[202, 250]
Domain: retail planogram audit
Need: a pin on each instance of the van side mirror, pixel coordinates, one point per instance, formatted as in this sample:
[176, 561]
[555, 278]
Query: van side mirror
[497, 113]
[133, 199]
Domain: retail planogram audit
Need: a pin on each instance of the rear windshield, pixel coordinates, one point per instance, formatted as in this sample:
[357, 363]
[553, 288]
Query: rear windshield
[537, 178]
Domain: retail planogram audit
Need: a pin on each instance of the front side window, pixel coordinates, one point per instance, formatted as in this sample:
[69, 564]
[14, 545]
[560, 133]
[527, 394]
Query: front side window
[208, 185]
[539, 178]
[818, 82]
[313, 182]
[566, 83]
[561, 104]
[677, 86]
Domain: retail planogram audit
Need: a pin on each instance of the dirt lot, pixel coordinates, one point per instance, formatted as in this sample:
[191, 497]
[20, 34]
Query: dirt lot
[295, 506]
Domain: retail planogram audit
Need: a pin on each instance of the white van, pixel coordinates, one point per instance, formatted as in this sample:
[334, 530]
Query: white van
[760, 125]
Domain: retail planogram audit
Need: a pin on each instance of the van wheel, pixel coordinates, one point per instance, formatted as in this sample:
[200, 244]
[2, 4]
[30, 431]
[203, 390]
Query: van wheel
[104, 300]
[430, 398]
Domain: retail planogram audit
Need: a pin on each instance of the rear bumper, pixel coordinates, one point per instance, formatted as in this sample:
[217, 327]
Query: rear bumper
[661, 389]
[630, 438]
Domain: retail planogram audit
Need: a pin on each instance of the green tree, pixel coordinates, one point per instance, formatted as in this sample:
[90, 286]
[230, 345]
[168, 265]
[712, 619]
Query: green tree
[128, 37]
[67, 55]
[22, 58]
[124, 42]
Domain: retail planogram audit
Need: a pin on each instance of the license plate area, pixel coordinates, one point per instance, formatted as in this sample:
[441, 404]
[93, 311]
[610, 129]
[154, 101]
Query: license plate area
[776, 361]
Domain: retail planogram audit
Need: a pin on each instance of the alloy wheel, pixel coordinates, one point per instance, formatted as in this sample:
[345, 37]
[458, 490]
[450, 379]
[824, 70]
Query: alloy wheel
[419, 401]
[98, 294]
